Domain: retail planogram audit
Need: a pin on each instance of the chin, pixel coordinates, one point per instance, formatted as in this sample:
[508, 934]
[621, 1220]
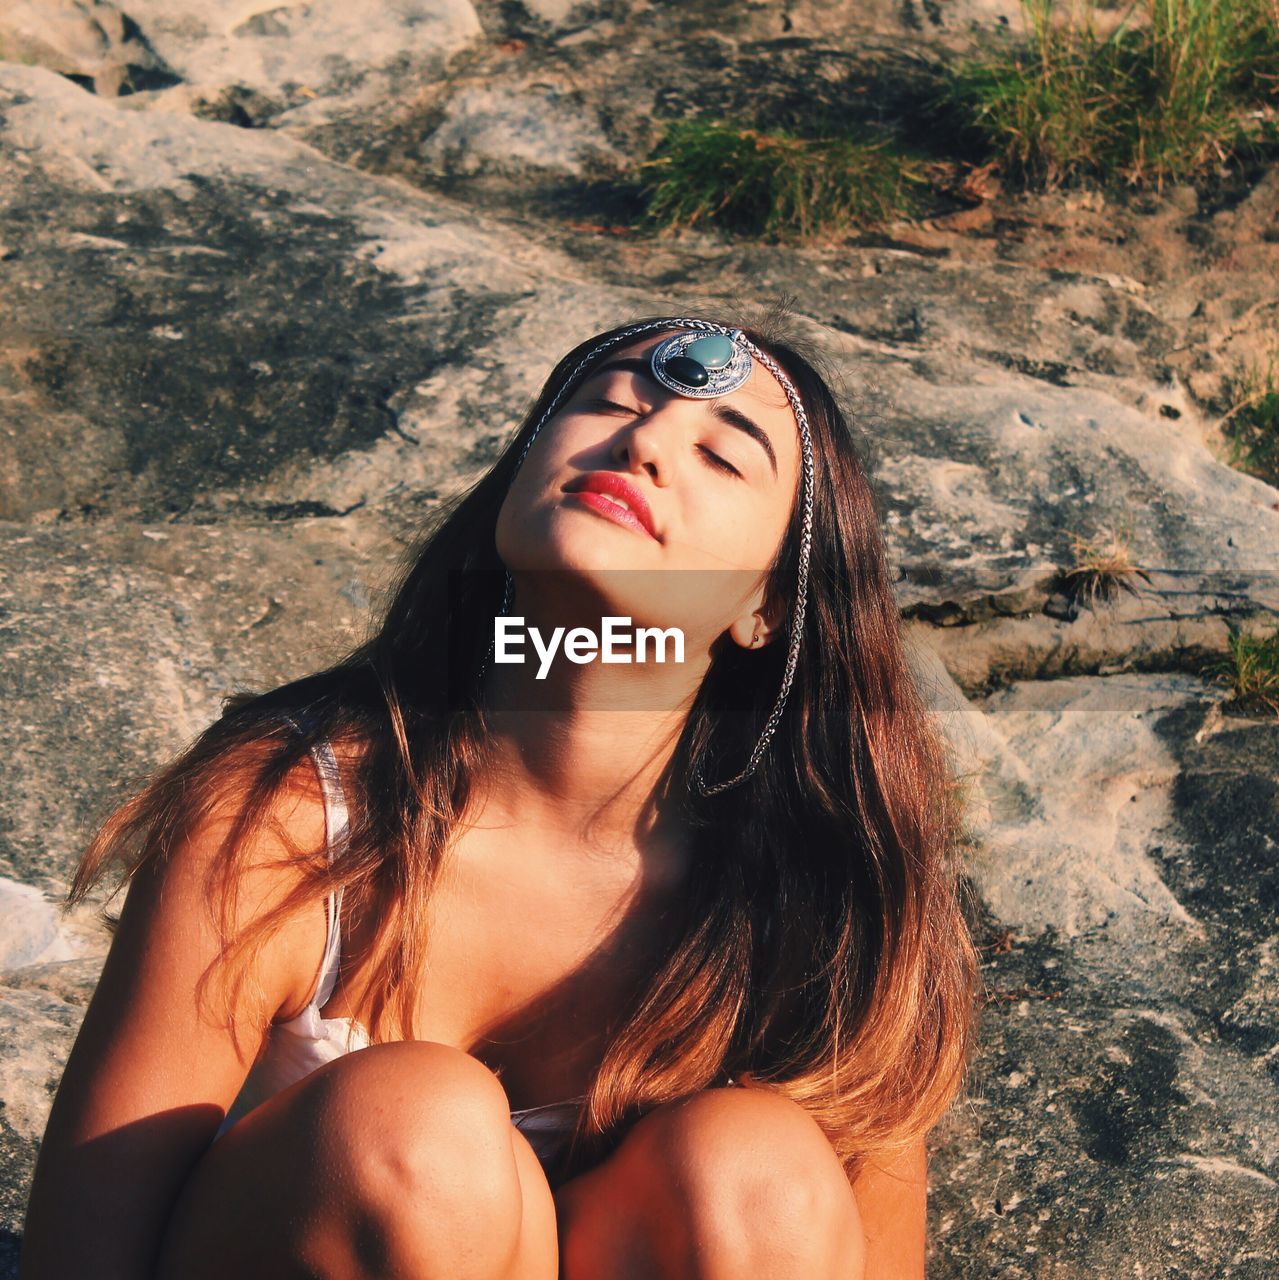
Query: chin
[602, 583]
[587, 542]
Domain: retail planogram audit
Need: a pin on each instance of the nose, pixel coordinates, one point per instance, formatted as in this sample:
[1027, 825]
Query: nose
[652, 442]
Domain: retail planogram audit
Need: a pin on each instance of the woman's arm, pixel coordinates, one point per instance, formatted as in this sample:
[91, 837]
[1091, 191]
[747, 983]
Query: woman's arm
[892, 1200]
[148, 1081]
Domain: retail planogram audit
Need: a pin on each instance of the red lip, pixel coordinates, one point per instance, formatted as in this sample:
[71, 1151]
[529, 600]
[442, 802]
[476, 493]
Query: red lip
[613, 485]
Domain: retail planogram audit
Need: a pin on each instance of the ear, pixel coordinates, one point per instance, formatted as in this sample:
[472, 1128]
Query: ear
[760, 627]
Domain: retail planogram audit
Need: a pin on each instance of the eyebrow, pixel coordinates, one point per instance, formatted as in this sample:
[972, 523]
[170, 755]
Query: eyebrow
[725, 413]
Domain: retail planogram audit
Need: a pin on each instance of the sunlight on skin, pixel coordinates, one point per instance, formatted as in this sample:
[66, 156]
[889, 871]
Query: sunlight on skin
[635, 1214]
[893, 1201]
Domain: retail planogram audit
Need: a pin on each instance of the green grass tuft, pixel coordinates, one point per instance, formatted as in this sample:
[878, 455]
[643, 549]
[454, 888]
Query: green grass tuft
[1252, 669]
[1252, 425]
[1170, 93]
[775, 185]
[1168, 90]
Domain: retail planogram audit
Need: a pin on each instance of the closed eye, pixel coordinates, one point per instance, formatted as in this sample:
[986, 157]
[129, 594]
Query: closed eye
[711, 458]
[714, 460]
[611, 405]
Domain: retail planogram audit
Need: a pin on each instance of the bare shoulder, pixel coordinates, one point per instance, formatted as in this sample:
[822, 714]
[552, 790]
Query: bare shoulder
[178, 899]
[275, 856]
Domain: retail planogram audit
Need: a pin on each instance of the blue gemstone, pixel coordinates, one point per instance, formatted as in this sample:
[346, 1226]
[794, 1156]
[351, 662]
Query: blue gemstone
[714, 351]
[690, 372]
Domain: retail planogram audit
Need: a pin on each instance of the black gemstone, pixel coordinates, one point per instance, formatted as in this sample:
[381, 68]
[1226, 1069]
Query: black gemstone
[687, 371]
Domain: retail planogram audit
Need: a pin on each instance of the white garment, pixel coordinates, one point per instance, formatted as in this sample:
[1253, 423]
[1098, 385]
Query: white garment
[295, 1048]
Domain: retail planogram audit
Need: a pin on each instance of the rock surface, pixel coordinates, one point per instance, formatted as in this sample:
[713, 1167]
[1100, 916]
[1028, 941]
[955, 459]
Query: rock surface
[240, 364]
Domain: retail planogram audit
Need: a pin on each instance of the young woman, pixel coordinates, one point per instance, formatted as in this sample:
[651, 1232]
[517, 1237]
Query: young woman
[442, 964]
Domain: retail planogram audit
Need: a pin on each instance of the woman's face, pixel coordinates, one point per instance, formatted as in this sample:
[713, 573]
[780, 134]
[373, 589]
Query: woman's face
[718, 478]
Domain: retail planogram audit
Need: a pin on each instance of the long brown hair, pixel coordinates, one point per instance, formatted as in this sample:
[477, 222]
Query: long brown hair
[821, 948]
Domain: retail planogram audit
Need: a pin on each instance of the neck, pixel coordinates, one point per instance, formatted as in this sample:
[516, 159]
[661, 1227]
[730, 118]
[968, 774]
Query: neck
[581, 757]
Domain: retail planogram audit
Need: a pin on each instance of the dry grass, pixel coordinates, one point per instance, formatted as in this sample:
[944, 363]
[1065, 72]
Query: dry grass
[1103, 567]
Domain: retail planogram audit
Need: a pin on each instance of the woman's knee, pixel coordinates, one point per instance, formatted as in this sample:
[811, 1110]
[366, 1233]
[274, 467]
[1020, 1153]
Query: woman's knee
[396, 1159]
[745, 1182]
[417, 1130]
[402, 1106]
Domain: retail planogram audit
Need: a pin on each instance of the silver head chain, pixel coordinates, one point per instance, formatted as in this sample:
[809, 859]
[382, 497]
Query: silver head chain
[669, 354]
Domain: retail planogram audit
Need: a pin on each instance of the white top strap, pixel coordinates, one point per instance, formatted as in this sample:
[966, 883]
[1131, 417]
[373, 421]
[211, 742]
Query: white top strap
[337, 828]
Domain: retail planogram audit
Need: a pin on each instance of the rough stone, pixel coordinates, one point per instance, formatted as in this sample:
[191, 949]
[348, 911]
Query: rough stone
[512, 131]
[91, 42]
[304, 59]
[239, 366]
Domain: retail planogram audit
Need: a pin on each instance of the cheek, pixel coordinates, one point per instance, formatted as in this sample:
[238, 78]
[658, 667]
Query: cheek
[532, 479]
[530, 531]
[547, 462]
[746, 533]
[517, 508]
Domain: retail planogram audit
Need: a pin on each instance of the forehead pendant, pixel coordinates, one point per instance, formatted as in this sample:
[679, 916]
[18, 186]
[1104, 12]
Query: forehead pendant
[702, 365]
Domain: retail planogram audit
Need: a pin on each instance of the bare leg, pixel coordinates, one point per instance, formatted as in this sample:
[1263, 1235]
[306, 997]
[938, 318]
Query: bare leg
[726, 1184]
[395, 1160]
